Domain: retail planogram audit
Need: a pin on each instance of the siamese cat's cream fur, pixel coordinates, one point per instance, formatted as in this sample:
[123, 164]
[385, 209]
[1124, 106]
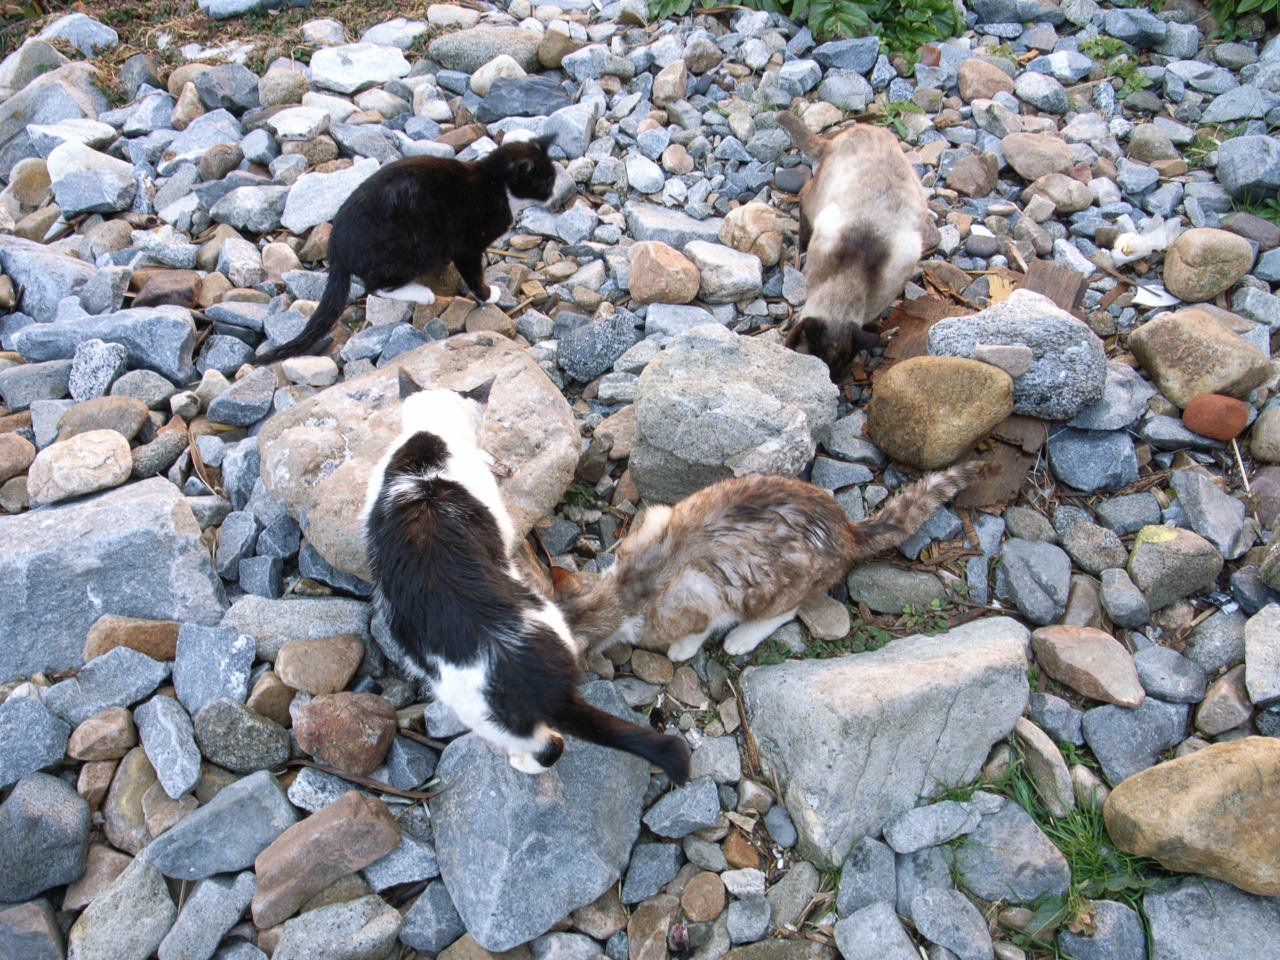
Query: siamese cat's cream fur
[862, 230]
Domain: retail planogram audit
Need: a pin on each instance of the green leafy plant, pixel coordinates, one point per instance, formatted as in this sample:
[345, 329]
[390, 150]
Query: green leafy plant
[1228, 13]
[1268, 208]
[902, 25]
[929, 619]
[895, 112]
[582, 494]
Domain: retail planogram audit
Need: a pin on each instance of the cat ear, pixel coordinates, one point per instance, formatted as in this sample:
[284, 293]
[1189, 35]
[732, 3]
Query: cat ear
[480, 394]
[545, 141]
[408, 386]
[564, 582]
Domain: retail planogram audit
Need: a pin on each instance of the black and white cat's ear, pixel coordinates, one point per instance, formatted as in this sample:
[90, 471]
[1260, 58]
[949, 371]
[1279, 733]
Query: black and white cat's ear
[481, 393]
[408, 386]
[545, 141]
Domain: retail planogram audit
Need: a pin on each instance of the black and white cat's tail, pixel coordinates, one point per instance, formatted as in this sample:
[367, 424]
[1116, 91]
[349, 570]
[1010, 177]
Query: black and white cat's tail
[582, 720]
[908, 511]
[332, 302]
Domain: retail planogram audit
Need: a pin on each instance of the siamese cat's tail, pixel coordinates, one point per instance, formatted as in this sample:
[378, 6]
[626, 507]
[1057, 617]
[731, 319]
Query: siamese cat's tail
[907, 512]
[582, 720]
[332, 302]
[804, 139]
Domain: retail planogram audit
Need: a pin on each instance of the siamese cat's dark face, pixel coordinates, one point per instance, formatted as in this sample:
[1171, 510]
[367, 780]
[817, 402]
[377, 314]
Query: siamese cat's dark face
[527, 169]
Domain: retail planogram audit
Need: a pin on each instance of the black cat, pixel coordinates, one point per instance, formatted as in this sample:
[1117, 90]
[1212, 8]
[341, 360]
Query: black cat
[419, 214]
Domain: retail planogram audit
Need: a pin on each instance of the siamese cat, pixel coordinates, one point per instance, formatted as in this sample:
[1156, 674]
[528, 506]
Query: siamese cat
[440, 546]
[745, 553]
[862, 229]
[418, 214]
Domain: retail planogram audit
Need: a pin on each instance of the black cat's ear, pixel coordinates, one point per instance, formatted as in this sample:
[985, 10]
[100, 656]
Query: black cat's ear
[408, 386]
[481, 393]
[545, 141]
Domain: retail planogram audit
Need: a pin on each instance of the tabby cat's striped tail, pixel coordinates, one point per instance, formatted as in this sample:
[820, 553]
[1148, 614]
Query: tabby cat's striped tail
[907, 512]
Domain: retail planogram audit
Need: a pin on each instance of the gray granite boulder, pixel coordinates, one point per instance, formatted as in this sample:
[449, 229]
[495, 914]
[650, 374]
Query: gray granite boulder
[157, 338]
[31, 739]
[1069, 365]
[318, 454]
[126, 921]
[44, 832]
[715, 404]
[1008, 857]
[170, 744]
[120, 677]
[1127, 740]
[1202, 917]
[43, 276]
[857, 740]
[133, 551]
[519, 852]
[214, 907]
[225, 834]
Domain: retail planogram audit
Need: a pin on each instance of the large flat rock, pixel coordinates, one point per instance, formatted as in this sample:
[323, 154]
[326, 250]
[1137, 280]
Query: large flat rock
[317, 456]
[518, 852]
[133, 551]
[857, 740]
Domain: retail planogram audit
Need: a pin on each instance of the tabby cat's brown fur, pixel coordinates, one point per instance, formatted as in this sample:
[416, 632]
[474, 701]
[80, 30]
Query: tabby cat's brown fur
[745, 552]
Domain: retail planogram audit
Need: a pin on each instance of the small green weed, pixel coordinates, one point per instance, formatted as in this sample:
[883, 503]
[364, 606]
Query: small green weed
[582, 494]
[894, 113]
[928, 620]
[1268, 208]
[768, 653]
[1102, 46]
[1098, 870]
[1229, 13]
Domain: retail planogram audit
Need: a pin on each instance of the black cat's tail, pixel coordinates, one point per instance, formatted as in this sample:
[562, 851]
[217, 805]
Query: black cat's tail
[332, 302]
[582, 720]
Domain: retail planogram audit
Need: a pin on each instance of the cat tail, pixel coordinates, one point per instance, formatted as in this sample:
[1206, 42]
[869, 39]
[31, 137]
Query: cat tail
[586, 722]
[332, 302]
[907, 512]
[804, 139]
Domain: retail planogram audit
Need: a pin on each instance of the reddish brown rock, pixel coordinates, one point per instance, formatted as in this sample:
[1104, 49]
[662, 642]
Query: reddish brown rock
[124, 415]
[271, 697]
[974, 175]
[703, 897]
[1213, 415]
[95, 780]
[108, 735]
[603, 918]
[158, 639]
[350, 731]
[658, 273]
[648, 927]
[324, 665]
[16, 454]
[180, 288]
[1214, 812]
[979, 80]
[1266, 495]
[1090, 662]
[346, 836]
[1225, 705]
[739, 852]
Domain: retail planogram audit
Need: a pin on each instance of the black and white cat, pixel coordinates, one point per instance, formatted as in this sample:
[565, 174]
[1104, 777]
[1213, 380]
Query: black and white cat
[419, 214]
[440, 547]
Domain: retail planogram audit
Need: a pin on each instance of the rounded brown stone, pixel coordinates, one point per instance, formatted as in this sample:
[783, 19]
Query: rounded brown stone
[350, 731]
[703, 897]
[1204, 261]
[754, 228]
[979, 80]
[180, 288]
[16, 454]
[1214, 812]
[927, 411]
[1090, 662]
[323, 665]
[738, 851]
[124, 415]
[652, 667]
[158, 639]
[1213, 415]
[659, 273]
[108, 735]
[271, 697]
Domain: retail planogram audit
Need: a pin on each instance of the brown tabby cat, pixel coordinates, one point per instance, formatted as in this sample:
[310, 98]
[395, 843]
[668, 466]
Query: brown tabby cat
[743, 553]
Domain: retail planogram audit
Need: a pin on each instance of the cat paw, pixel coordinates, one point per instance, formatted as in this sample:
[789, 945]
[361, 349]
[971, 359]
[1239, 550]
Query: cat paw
[736, 646]
[495, 294]
[525, 763]
[684, 649]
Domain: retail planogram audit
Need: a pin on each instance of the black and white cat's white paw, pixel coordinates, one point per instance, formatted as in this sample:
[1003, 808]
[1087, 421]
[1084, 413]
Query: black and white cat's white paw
[413, 292]
[495, 294]
[525, 763]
